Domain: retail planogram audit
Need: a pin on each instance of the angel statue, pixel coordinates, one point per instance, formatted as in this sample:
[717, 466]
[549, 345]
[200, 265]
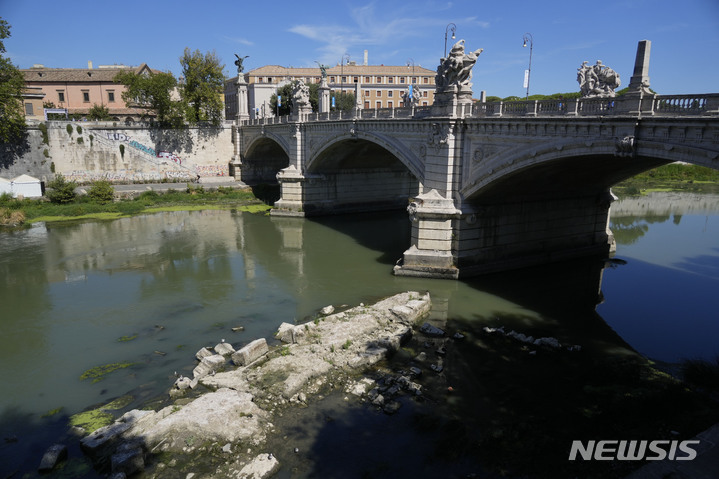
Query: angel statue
[239, 61]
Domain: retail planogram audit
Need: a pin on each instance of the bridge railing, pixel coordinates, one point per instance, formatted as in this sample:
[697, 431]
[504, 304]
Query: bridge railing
[657, 105]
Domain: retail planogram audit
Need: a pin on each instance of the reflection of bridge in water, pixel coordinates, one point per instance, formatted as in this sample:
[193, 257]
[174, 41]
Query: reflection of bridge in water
[490, 186]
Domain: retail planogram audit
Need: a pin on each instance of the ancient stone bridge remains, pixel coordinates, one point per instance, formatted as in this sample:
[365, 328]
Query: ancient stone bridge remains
[487, 186]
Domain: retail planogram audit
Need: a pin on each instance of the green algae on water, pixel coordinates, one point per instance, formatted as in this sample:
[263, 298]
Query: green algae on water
[94, 419]
[98, 373]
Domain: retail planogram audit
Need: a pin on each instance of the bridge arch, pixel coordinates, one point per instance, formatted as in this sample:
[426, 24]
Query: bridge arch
[396, 148]
[571, 167]
[263, 158]
[359, 171]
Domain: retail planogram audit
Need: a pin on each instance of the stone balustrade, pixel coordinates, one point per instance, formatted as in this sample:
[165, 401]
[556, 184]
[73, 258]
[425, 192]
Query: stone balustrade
[626, 105]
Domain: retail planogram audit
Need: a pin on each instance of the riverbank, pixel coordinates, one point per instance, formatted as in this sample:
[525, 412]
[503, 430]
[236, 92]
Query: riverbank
[139, 199]
[673, 177]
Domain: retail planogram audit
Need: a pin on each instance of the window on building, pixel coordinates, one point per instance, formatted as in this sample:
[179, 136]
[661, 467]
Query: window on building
[379, 79]
[28, 109]
[389, 104]
[390, 93]
[401, 79]
[379, 104]
[390, 79]
[344, 79]
[424, 94]
[111, 96]
[61, 96]
[414, 80]
[356, 79]
[367, 79]
[332, 79]
[379, 92]
[366, 93]
[366, 105]
[86, 96]
[426, 80]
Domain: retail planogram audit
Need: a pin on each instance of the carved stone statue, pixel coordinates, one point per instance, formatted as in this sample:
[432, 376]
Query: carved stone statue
[301, 97]
[455, 71]
[239, 61]
[412, 100]
[598, 80]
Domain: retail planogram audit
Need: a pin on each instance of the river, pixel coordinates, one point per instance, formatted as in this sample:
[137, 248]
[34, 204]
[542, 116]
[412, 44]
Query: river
[148, 291]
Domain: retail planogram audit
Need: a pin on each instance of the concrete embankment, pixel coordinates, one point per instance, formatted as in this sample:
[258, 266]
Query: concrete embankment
[241, 391]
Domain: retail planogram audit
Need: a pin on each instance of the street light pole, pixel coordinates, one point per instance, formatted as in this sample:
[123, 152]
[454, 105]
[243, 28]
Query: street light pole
[342, 71]
[452, 27]
[528, 37]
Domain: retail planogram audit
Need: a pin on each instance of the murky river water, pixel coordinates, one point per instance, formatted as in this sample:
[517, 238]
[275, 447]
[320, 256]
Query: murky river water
[152, 290]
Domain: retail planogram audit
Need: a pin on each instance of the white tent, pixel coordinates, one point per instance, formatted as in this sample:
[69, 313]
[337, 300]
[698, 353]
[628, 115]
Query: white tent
[27, 186]
[5, 186]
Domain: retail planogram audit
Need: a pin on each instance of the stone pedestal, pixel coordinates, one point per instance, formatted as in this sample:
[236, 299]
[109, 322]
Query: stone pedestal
[325, 102]
[243, 112]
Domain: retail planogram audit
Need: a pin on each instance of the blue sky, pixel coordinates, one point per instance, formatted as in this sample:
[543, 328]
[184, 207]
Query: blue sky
[684, 35]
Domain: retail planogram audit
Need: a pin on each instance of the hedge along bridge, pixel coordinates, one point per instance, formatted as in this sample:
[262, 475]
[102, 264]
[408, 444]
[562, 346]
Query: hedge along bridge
[487, 186]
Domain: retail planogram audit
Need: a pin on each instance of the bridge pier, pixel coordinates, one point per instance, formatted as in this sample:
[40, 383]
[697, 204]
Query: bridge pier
[430, 255]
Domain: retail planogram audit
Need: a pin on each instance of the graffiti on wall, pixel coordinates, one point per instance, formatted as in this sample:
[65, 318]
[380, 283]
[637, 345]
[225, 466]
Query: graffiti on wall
[145, 149]
[211, 170]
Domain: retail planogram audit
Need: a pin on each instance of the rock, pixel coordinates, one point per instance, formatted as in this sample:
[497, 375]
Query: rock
[286, 333]
[437, 368]
[209, 364]
[99, 443]
[250, 353]
[430, 330]
[392, 407]
[223, 415]
[203, 353]
[55, 454]
[458, 336]
[225, 349]
[238, 328]
[327, 310]
[182, 383]
[441, 351]
[415, 371]
[118, 475]
[378, 400]
[128, 459]
[227, 448]
[551, 342]
[261, 467]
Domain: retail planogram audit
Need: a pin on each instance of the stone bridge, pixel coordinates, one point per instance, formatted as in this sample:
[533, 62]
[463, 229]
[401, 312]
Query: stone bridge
[487, 186]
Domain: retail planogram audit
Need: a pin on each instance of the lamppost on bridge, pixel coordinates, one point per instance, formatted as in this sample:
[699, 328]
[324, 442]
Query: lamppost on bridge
[342, 71]
[452, 27]
[528, 37]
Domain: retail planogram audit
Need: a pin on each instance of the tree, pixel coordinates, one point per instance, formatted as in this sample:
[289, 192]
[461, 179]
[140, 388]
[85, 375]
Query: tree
[153, 91]
[12, 84]
[203, 86]
[285, 92]
[98, 113]
[344, 101]
[61, 191]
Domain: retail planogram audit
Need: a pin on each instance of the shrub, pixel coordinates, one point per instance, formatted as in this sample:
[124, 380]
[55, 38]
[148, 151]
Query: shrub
[101, 192]
[79, 130]
[46, 153]
[80, 141]
[69, 129]
[61, 191]
[43, 129]
[122, 151]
